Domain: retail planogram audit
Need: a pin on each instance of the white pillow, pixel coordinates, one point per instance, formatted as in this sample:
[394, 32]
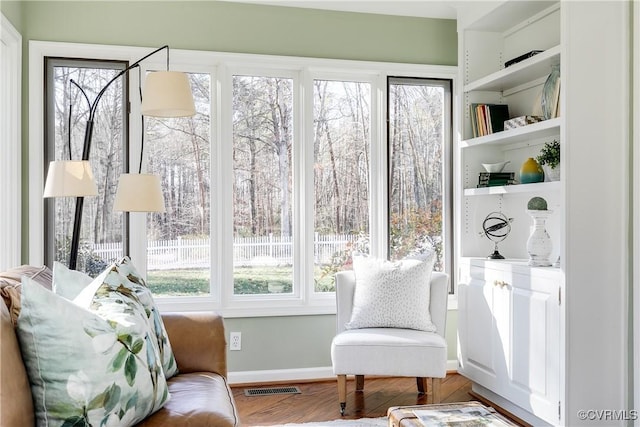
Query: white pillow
[68, 283]
[392, 294]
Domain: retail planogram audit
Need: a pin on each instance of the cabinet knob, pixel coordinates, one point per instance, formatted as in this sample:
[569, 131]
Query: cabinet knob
[500, 283]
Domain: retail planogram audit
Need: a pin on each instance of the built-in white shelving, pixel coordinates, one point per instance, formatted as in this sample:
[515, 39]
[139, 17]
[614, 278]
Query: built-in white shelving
[499, 299]
[514, 189]
[542, 129]
[506, 79]
[522, 331]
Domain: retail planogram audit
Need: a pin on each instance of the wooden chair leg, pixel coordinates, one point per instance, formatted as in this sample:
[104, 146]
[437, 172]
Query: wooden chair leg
[430, 386]
[342, 392]
[422, 384]
[359, 382]
[435, 385]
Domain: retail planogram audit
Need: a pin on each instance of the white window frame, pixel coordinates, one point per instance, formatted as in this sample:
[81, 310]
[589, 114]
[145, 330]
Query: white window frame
[222, 66]
[185, 62]
[11, 137]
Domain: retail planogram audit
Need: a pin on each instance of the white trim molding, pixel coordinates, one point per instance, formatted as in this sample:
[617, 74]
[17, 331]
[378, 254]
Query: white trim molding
[11, 140]
[635, 48]
[278, 375]
[299, 374]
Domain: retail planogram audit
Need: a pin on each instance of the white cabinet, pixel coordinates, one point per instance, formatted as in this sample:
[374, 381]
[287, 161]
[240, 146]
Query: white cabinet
[509, 332]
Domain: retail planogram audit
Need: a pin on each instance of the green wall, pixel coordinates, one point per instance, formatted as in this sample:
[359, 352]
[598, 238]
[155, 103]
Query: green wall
[272, 342]
[284, 342]
[288, 342]
[233, 27]
[13, 12]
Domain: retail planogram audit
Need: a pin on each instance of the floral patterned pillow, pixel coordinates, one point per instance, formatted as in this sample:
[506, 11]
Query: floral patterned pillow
[137, 284]
[86, 367]
[70, 284]
[392, 294]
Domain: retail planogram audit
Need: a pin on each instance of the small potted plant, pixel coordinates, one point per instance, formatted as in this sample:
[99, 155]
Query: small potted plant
[549, 159]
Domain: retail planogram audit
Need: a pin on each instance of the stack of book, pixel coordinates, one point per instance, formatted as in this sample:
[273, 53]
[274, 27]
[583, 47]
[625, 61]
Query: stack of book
[520, 121]
[488, 118]
[492, 179]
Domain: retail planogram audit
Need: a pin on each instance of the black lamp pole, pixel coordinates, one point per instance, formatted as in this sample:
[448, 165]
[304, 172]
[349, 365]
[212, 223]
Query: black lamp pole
[88, 134]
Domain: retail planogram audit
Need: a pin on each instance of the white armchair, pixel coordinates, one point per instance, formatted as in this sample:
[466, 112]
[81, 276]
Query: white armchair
[390, 351]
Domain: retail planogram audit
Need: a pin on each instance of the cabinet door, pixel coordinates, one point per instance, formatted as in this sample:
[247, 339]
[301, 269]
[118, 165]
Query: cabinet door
[535, 352]
[477, 332]
[501, 309]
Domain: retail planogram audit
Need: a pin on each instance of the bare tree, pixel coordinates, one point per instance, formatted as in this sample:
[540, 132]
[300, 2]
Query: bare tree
[262, 111]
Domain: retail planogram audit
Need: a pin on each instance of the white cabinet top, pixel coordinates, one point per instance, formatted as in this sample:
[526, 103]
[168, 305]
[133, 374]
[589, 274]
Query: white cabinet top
[514, 266]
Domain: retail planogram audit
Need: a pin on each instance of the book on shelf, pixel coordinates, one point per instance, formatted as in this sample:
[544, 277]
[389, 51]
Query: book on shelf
[493, 179]
[488, 118]
[522, 57]
[498, 183]
[494, 175]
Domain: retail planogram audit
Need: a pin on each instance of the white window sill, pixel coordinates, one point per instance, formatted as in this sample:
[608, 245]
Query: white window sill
[269, 308]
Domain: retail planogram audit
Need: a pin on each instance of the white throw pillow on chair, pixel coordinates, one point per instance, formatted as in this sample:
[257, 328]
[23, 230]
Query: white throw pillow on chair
[392, 294]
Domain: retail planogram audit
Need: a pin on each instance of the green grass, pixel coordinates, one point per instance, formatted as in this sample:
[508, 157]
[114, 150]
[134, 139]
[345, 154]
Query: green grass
[178, 282]
[247, 281]
[257, 280]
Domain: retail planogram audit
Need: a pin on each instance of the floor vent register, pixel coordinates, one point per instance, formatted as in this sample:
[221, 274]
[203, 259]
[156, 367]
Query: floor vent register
[271, 390]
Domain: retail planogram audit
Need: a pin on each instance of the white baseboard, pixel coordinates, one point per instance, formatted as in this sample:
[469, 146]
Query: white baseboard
[507, 405]
[279, 375]
[297, 374]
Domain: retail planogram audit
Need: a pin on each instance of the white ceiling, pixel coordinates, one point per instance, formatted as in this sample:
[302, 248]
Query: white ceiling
[420, 8]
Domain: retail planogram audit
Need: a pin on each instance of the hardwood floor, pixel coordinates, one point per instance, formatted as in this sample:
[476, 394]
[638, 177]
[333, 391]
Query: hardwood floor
[319, 400]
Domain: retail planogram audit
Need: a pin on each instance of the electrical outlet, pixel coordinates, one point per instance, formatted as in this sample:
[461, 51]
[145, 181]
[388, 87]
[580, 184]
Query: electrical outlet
[235, 341]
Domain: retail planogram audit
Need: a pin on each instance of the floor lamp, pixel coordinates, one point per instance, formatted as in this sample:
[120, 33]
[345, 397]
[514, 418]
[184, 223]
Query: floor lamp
[167, 94]
[139, 192]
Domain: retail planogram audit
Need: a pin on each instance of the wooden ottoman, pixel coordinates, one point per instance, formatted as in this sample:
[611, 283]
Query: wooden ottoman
[446, 414]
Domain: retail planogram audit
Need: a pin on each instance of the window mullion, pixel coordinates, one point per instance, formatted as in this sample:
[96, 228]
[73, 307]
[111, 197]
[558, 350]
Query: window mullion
[298, 193]
[379, 163]
[216, 129]
[137, 220]
[306, 185]
[224, 151]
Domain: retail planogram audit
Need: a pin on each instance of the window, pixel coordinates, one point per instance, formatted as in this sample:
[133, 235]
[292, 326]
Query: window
[283, 173]
[342, 153]
[178, 240]
[67, 110]
[419, 147]
[262, 185]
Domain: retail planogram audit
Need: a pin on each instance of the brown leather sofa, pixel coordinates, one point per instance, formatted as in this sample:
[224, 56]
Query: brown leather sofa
[200, 395]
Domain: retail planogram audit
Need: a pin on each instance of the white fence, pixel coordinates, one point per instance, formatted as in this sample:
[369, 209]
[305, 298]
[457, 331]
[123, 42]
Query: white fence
[247, 251]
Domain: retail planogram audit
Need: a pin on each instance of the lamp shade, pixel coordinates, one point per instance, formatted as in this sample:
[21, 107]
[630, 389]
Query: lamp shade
[139, 193]
[167, 94]
[70, 178]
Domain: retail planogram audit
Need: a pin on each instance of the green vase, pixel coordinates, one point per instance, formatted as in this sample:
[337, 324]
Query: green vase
[531, 172]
